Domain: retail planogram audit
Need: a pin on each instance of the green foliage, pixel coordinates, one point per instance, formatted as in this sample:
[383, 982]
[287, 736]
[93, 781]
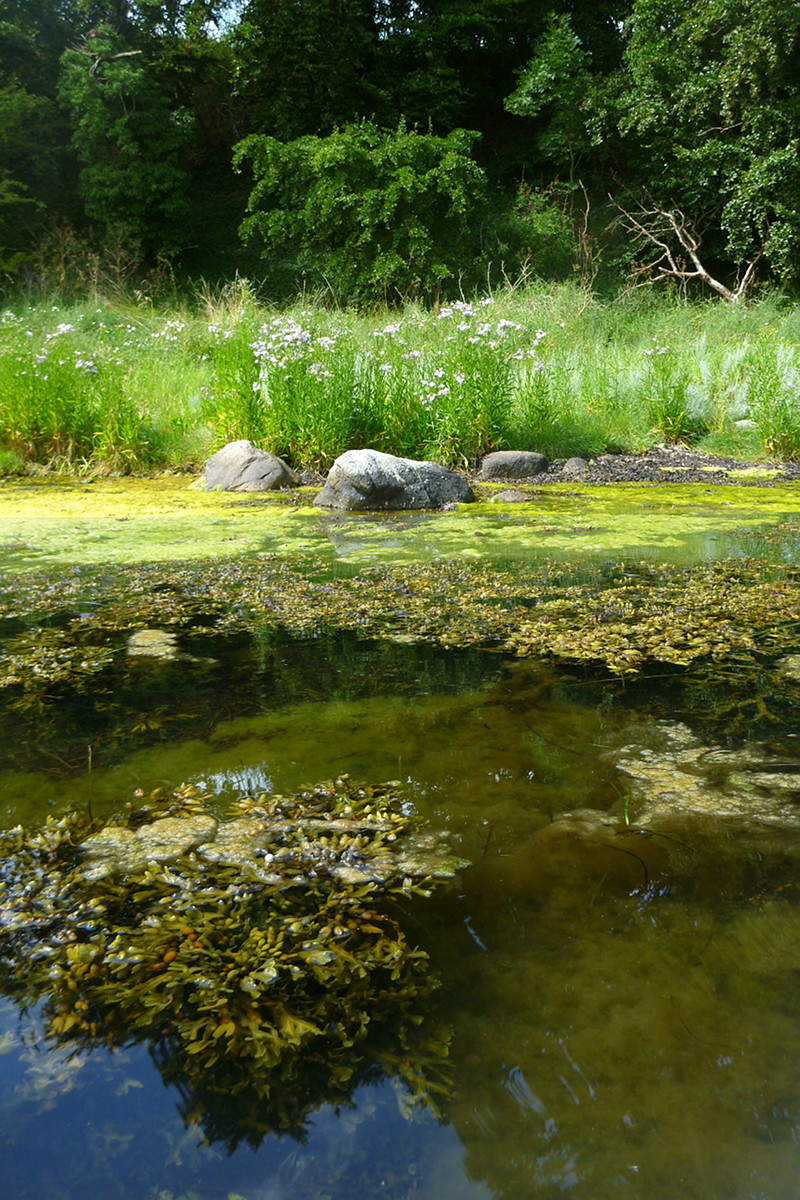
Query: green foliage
[308, 65]
[555, 81]
[369, 212]
[530, 237]
[710, 105]
[132, 143]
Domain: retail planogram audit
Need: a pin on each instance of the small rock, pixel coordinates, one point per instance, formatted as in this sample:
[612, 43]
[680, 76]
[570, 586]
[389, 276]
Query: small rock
[575, 467]
[513, 464]
[242, 467]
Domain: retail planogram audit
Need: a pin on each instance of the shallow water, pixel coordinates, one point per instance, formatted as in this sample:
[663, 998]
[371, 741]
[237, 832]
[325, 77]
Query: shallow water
[621, 999]
[50, 522]
[619, 989]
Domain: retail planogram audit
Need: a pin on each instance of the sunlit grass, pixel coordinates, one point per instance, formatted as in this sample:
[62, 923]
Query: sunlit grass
[131, 387]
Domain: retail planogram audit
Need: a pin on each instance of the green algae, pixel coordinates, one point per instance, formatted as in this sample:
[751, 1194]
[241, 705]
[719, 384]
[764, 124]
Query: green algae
[51, 522]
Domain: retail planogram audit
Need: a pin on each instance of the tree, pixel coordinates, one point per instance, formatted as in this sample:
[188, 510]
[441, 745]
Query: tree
[373, 213]
[307, 66]
[35, 166]
[132, 143]
[710, 106]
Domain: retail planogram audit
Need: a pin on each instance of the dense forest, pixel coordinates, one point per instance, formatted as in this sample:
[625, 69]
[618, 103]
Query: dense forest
[384, 150]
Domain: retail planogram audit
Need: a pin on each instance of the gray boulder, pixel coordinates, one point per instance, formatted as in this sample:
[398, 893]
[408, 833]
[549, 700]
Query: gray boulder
[512, 464]
[242, 467]
[369, 481]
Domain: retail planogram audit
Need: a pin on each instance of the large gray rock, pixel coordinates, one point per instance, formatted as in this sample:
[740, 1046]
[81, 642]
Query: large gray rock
[512, 464]
[369, 481]
[242, 467]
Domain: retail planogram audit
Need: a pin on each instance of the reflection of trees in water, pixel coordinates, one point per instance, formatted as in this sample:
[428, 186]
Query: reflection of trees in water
[263, 991]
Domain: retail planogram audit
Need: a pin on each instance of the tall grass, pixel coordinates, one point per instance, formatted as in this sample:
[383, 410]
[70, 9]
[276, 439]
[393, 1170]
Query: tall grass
[130, 386]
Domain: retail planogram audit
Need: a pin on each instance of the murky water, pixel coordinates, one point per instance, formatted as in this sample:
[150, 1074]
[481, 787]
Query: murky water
[620, 990]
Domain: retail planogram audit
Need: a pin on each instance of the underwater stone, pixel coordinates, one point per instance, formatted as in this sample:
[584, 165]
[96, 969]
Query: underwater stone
[789, 665]
[242, 467]
[369, 481]
[153, 643]
[512, 464]
[120, 851]
[686, 776]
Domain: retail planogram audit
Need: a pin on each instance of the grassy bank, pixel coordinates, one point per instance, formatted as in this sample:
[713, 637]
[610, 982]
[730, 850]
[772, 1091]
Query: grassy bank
[131, 387]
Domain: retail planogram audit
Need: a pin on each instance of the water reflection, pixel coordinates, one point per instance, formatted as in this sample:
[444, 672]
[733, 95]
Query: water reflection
[622, 997]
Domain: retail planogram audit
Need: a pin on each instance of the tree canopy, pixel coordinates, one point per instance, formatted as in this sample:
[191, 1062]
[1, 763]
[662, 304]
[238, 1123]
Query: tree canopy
[405, 145]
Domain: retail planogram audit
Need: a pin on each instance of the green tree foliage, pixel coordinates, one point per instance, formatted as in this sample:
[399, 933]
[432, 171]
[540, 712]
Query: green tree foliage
[374, 213]
[132, 142]
[119, 117]
[34, 168]
[307, 67]
[709, 105]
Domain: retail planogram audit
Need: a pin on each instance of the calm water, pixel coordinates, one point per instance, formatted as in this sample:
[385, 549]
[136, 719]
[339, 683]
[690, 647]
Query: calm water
[623, 1009]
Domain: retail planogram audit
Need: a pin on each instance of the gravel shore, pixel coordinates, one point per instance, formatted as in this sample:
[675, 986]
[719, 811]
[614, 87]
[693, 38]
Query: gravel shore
[671, 464]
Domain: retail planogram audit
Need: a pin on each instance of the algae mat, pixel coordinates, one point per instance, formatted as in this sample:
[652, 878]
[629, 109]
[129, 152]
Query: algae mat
[49, 522]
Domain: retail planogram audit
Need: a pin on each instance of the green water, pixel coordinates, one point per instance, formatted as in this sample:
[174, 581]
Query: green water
[50, 522]
[618, 964]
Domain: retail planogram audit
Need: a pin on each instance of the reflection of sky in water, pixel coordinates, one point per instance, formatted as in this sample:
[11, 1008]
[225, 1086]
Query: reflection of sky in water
[112, 1129]
[237, 781]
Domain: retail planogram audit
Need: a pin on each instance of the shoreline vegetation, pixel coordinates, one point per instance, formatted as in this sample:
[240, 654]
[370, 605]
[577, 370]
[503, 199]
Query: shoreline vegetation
[133, 387]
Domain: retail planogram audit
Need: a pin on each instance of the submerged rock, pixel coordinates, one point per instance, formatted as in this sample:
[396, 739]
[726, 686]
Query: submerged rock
[242, 467]
[369, 481]
[513, 464]
[511, 496]
[322, 834]
[686, 776]
[153, 643]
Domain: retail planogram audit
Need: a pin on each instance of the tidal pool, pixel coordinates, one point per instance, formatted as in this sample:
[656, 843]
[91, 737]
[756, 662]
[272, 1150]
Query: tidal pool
[616, 1009]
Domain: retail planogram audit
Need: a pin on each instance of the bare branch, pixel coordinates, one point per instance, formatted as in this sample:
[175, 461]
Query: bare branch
[669, 233]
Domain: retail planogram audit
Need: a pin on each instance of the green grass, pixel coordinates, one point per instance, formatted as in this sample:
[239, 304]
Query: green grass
[131, 387]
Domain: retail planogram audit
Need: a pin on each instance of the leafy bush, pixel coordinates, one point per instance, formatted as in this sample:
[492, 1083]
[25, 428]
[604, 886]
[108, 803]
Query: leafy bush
[371, 213]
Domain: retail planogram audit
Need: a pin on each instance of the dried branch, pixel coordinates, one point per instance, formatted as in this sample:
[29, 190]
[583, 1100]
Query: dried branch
[669, 233]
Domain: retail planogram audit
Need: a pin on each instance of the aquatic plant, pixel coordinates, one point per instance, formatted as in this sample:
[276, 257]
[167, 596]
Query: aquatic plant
[261, 957]
[73, 695]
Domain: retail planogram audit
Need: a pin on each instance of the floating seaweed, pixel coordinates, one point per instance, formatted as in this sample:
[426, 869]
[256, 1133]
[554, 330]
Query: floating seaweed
[260, 957]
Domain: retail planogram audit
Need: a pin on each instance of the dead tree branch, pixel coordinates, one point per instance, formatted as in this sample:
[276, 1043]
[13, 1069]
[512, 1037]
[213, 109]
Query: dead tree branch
[675, 251]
